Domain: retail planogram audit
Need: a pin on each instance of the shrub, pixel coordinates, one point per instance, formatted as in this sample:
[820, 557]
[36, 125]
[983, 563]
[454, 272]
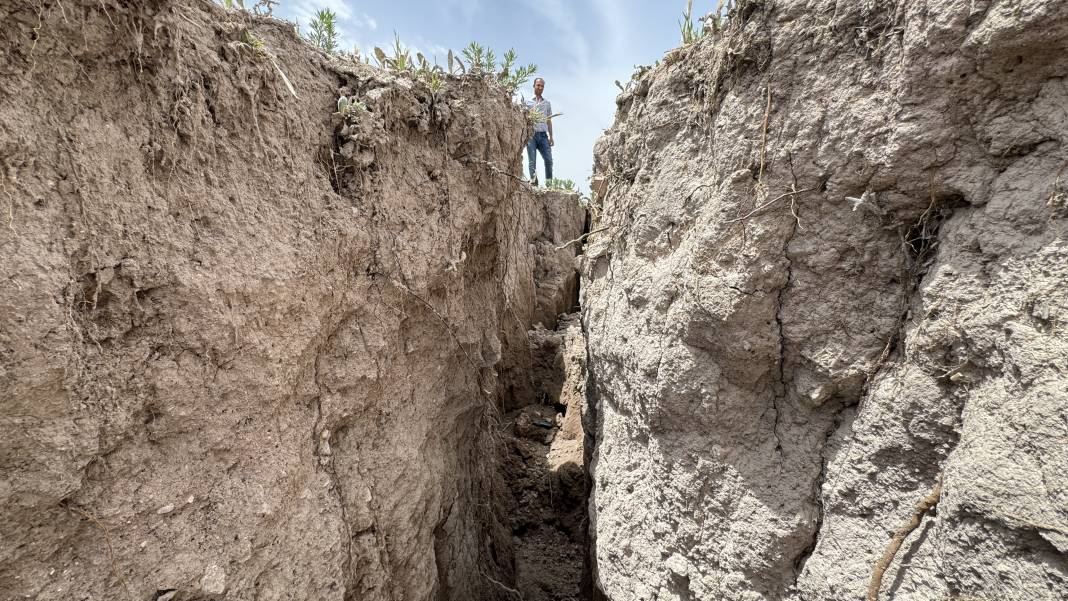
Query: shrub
[401, 59]
[561, 184]
[480, 60]
[323, 34]
[511, 76]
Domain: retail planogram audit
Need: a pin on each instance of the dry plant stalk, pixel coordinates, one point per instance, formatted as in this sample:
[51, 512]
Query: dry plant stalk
[764, 137]
[921, 509]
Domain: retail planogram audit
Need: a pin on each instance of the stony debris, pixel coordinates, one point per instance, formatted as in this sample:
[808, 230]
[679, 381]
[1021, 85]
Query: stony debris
[213, 582]
[545, 473]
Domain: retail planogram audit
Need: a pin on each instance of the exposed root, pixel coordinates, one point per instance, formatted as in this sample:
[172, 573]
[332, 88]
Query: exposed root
[502, 586]
[489, 165]
[106, 13]
[582, 237]
[107, 539]
[921, 509]
[36, 38]
[769, 203]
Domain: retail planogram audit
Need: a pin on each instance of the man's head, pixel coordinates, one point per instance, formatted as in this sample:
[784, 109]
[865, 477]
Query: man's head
[539, 86]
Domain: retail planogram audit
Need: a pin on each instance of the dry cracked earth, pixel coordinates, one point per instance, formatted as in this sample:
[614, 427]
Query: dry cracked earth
[805, 342]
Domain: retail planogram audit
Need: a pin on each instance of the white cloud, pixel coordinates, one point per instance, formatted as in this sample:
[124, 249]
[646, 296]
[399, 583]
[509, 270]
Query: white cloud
[365, 21]
[614, 23]
[564, 21]
[467, 8]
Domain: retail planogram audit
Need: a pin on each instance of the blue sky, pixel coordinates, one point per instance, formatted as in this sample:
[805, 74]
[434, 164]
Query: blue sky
[580, 46]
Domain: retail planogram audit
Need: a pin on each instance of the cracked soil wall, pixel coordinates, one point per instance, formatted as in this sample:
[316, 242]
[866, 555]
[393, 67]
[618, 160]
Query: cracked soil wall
[778, 373]
[248, 350]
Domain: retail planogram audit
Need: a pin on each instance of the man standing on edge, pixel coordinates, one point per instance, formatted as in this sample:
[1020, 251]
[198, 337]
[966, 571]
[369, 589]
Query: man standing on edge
[543, 134]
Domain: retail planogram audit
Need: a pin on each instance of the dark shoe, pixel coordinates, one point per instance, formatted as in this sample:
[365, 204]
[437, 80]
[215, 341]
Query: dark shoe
[534, 181]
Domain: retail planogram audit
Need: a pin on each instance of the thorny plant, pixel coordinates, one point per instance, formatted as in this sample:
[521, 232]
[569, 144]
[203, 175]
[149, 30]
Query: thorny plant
[323, 34]
[481, 60]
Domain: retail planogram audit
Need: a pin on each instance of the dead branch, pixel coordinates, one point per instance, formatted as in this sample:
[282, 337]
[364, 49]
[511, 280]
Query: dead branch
[921, 509]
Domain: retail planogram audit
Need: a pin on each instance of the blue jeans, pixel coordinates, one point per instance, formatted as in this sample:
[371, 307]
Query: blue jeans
[540, 143]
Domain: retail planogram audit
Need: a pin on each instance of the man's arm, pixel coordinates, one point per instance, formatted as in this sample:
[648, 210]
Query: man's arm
[550, 122]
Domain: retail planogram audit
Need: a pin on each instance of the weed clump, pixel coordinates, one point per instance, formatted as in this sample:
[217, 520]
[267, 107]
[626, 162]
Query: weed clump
[564, 185]
[323, 34]
[535, 117]
[690, 32]
[482, 61]
[512, 76]
[259, 49]
[351, 107]
[261, 7]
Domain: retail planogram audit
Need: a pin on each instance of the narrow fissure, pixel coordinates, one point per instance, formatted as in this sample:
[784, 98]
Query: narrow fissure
[543, 465]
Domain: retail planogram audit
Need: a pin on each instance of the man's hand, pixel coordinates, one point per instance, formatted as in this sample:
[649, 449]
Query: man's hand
[552, 142]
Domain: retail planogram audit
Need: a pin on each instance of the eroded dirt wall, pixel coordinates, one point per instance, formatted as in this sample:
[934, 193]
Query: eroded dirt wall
[803, 315]
[249, 350]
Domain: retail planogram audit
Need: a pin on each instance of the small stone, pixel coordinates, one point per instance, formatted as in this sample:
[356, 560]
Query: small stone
[214, 580]
[167, 596]
[165, 509]
[190, 500]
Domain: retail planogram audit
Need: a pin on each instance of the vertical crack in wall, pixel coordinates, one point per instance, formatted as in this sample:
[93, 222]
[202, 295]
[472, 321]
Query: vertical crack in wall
[782, 393]
[919, 245]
